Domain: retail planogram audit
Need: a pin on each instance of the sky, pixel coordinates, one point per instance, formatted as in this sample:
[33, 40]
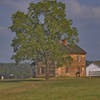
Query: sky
[84, 13]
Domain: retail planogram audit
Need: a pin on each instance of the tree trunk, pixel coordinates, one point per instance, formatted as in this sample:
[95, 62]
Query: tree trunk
[47, 71]
[55, 68]
[31, 72]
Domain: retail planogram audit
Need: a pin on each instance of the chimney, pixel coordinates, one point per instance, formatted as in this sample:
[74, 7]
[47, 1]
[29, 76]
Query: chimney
[64, 42]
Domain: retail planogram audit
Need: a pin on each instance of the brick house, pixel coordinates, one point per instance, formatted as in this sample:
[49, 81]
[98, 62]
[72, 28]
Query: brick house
[76, 67]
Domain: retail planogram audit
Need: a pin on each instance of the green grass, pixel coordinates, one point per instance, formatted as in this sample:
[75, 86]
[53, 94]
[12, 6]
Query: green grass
[61, 89]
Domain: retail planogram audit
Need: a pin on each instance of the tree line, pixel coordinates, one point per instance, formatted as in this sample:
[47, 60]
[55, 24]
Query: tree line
[20, 71]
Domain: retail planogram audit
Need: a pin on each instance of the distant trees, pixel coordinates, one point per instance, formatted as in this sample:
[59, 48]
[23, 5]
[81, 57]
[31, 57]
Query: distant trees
[88, 62]
[19, 71]
[39, 32]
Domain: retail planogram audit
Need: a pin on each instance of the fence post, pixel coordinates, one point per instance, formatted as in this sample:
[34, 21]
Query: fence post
[90, 75]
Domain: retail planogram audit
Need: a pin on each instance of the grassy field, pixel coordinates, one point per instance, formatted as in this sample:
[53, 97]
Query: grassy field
[70, 89]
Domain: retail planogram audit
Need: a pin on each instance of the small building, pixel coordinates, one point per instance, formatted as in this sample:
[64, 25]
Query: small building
[77, 66]
[93, 69]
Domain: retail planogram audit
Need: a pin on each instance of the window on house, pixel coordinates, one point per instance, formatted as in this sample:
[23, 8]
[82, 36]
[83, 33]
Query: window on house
[79, 69]
[78, 58]
[42, 70]
[67, 70]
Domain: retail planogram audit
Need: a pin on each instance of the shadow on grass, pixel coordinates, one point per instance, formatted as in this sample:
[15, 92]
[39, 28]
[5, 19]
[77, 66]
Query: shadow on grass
[20, 80]
[42, 79]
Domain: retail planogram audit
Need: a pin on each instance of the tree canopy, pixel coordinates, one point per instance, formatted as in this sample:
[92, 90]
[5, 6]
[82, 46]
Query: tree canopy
[39, 33]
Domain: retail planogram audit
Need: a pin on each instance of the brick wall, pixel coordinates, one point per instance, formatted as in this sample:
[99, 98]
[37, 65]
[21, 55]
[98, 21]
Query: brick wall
[78, 65]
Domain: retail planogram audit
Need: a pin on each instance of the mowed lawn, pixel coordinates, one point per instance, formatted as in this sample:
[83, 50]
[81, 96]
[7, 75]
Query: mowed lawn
[64, 89]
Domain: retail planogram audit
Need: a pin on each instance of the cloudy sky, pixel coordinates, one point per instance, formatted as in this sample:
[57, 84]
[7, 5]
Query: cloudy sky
[84, 13]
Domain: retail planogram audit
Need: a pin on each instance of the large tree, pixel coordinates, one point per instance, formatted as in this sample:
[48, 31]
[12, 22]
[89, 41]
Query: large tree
[39, 33]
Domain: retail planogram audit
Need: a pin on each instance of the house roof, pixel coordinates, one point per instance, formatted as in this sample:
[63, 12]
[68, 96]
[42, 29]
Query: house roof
[75, 50]
[97, 63]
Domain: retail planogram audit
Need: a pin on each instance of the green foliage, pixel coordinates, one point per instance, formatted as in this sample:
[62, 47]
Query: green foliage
[39, 32]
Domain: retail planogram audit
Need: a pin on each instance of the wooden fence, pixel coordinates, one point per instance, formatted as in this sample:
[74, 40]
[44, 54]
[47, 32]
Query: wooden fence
[94, 73]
